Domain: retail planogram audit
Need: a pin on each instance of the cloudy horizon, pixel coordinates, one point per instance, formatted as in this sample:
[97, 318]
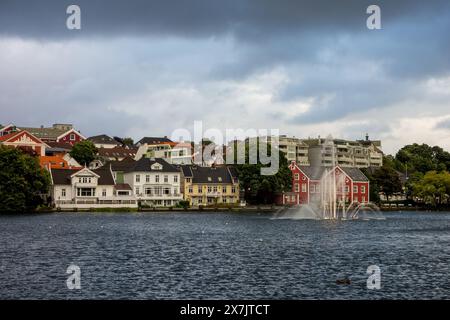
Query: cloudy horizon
[307, 68]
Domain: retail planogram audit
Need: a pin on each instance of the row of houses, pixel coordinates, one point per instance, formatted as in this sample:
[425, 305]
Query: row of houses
[156, 172]
[151, 182]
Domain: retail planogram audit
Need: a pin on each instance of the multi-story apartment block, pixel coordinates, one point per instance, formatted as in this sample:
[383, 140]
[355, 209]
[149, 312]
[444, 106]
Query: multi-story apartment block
[154, 181]
[293, 148]
[345, 153]
[204, 186]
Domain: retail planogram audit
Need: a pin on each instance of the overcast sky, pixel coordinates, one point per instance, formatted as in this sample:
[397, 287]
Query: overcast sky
[144, 68]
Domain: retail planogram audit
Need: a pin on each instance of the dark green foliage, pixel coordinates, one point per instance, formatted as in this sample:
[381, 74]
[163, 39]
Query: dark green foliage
[260, 188]
[84, 152]
[22, 181]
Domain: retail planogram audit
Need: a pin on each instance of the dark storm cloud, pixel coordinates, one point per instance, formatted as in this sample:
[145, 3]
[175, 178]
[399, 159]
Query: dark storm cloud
[249, 19]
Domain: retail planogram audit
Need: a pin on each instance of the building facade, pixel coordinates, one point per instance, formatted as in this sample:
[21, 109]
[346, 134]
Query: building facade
[25, 141]
[203, 186]
[345, 153]
[84, 189]
[351, 184]
[154, 182]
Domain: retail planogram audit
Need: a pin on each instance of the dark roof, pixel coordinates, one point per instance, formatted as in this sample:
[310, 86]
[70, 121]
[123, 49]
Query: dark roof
[145, 165]
[122, 186]
[117, 152]
[313, 172]
[122, 165]
[316, 172]
[60, 145]
[210, 174]
[355, 174]
[103, 138]
[62, 176]
[154, 140]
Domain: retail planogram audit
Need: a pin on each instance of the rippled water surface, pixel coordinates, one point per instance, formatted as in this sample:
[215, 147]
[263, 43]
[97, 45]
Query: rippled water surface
[222, 255]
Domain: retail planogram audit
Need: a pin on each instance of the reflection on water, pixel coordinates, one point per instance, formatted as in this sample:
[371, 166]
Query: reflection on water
[223, 255]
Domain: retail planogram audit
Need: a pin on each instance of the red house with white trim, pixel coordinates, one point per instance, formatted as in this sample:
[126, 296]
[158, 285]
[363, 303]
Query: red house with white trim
[352, 185]
[24, 141]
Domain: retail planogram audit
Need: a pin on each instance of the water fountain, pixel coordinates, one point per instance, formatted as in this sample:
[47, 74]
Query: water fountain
[333, 202]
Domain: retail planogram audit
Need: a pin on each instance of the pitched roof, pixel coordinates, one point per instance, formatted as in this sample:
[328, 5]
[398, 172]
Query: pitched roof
[316, 172]
[9, 136]
[355, 174]
[219, 174]
[155, 140]
[145, 165]
[103, 138]
[62, 176]
[56, 162]
[45, 133]
[313, 172]
[122, 186]
[122, 165]
[118, 152]
[60, 145]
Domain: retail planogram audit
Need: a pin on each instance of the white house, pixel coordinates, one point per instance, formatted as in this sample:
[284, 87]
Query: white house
[85, 188]
[154, 182]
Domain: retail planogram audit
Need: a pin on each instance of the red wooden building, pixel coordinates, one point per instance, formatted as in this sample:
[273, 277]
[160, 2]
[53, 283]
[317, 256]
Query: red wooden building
[351, 184]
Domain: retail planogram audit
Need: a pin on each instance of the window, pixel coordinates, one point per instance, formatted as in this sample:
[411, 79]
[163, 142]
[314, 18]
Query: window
[166, 178]
[188, 179]
[347, 189]
[137, 190]
[190, 190]
[355, 189]
[157, 178]
[209, 189]
[104, 193]
[304, 187]
[210, 200]
[220, 179]
[148, 191]
[138, 178]
[363, 199]
[166, 191]
[233, 189]
[72, 137]
[296, 176]
[147, 178]
[200, 200]
[363, 189]
[63, 192]
[224, 189]
[175, 179]
[297, 187]
[199, 189]
[209, 179]
[85, 192]
[215, 189]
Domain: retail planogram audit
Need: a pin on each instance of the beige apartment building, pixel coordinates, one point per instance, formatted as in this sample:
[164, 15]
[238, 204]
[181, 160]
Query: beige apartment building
[345, 153]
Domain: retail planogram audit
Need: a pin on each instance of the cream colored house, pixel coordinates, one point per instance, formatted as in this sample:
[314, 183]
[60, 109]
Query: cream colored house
[85, 188]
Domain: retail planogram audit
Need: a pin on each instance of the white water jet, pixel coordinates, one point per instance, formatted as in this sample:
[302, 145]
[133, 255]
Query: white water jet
[331, 204]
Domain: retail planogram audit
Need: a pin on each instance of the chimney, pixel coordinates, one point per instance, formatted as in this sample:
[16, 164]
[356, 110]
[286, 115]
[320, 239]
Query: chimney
[367, 137]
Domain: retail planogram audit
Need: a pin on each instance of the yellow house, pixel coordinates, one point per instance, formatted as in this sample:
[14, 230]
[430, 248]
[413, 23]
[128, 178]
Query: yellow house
[210, 185]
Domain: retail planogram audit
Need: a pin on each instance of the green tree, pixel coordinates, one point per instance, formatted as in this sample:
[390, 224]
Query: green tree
[22, 181]
[260, 188]
[387, 181]
[84, 152]
[422, 158]
[433, 188]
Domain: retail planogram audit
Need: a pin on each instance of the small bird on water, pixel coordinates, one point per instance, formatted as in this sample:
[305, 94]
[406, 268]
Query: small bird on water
[344, 281]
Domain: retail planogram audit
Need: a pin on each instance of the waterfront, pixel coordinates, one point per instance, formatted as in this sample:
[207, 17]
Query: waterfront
[223, 256]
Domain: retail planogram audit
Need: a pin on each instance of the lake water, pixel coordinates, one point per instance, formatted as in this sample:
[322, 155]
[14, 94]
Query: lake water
[223, 256]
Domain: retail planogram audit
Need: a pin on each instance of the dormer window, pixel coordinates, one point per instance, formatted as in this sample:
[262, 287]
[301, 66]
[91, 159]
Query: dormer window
[156, 166]
[209, 179]
[220, 179]
[72, 137]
